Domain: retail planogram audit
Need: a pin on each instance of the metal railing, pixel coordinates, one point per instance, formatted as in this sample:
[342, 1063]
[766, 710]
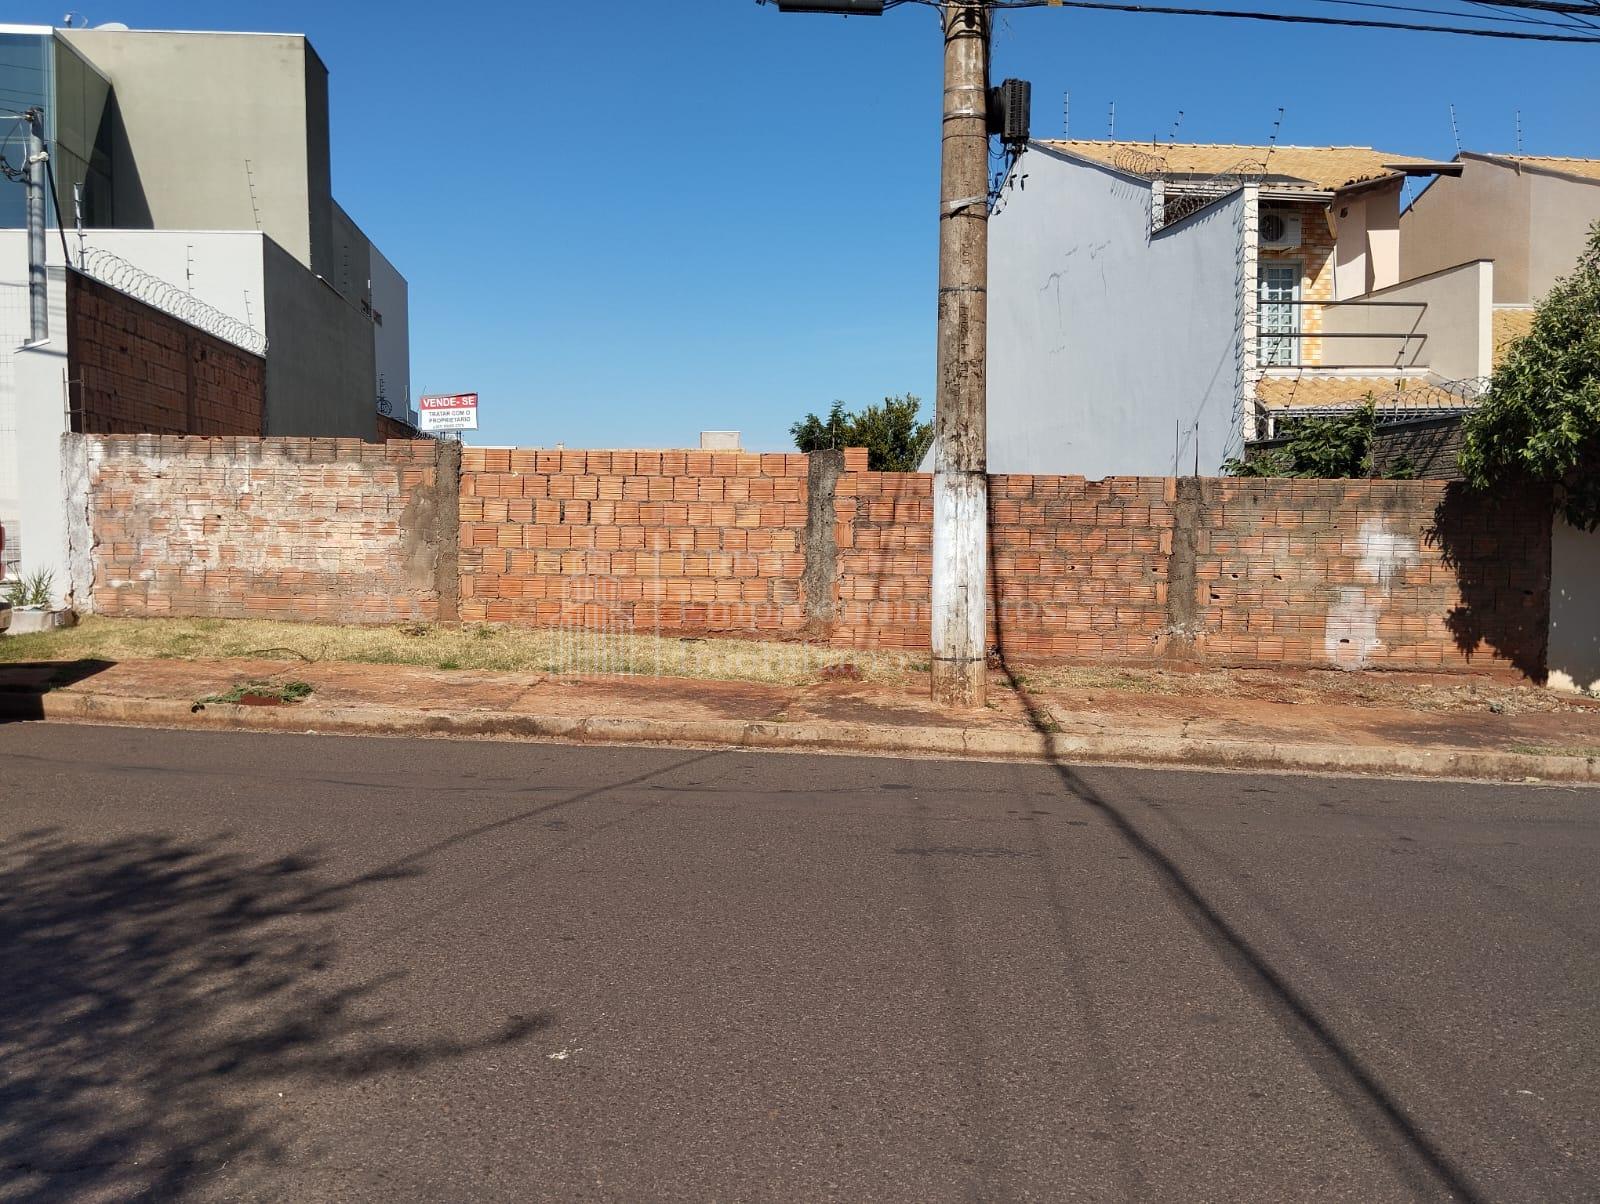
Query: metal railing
[1295, 337]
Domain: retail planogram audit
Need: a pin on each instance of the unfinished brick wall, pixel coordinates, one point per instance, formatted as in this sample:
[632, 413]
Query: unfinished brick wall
[1354, 574]
[648, 540]
[393, 428]
[136, 369]
[1078, 569]
[297, 529]
[1371, 574]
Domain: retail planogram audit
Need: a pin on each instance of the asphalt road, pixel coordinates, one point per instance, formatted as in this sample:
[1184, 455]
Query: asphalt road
[311, 968]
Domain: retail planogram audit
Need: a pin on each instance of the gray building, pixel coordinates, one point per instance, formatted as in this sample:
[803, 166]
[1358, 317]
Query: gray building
[192, 171]
[202, 132]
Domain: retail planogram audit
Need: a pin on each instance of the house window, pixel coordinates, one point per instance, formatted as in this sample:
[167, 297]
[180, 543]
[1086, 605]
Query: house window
[1277, 313]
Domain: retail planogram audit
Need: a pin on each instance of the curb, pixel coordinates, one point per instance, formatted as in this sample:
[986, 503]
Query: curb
[961, 743]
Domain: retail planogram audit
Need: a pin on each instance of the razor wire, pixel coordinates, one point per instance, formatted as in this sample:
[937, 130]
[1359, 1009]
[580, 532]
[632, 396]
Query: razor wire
[116, 272]
[1401, 401]
[1181, 195]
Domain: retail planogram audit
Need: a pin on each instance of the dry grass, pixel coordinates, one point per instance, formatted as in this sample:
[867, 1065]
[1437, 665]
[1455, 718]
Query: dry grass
[493, 647]
[564, 652]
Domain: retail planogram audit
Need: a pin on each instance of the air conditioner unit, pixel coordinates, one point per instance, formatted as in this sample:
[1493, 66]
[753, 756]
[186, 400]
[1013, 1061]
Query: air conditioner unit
[1280, 230]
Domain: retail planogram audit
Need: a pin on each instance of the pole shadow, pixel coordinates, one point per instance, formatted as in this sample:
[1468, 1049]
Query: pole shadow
[1424, 1166]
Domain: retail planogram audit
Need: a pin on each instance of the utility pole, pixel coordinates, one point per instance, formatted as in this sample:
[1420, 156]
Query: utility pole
[960, 457]
[38, 297]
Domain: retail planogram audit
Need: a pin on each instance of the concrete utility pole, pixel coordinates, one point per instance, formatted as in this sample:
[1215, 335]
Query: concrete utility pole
[960, 455]
[960, 459]
[38, 297]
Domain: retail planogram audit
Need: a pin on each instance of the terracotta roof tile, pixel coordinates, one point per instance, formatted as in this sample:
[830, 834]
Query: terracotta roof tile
[1288, 392]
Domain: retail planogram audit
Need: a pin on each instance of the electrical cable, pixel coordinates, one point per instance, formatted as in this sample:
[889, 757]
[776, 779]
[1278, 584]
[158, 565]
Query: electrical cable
[1557, 21]
[1447, 12]
[55, 199]
[1346, 22]
[1298, 19]
[1571, 21]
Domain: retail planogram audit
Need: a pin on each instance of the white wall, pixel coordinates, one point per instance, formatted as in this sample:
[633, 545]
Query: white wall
[33, 417]
[1574, 656]
[224, 269]
[220, 267]
[1110, 351]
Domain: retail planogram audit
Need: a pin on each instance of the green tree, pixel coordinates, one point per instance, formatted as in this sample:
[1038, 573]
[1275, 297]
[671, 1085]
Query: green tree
[1324, 448]
[1540, 420]
[895, 440]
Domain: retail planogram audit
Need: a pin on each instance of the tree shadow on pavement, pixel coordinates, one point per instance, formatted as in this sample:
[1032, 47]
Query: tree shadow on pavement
[155, 996]
[1415, 1157]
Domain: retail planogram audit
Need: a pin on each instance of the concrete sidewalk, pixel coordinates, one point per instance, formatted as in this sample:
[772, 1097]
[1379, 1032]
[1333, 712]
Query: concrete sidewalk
[1262, 721]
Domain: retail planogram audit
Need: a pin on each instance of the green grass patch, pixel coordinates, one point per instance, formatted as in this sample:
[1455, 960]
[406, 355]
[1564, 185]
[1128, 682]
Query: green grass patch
[288, 691]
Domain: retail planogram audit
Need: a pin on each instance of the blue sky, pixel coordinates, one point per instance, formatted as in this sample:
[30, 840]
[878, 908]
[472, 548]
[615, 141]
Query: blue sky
[625, 222]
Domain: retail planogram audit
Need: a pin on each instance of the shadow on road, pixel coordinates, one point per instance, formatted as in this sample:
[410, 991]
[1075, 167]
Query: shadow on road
[157, 995]
[23, 684]
[1424, 1166]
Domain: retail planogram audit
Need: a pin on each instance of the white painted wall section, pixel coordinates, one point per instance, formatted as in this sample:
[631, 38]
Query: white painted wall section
[1574, 656]
[1111, 350]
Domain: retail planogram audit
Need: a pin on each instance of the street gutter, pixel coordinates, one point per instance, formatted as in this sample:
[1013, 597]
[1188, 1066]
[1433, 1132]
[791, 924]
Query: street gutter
[806, 736]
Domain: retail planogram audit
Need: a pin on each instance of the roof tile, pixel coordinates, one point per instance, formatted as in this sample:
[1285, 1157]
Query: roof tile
[1319, 167]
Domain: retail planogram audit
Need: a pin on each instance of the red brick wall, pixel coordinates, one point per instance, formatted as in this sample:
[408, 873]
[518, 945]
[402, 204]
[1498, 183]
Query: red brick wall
[673, 540]
[1355, 574]
[136, 369]
[393, 428]
[1078, 568]
[1410, 574]
[1382, 574]
[331, 529]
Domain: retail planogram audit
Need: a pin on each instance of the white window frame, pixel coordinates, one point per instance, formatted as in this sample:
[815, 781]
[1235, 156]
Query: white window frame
[1279, 342]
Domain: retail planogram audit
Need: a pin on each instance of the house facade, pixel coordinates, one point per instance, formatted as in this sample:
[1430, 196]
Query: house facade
[1155, 307]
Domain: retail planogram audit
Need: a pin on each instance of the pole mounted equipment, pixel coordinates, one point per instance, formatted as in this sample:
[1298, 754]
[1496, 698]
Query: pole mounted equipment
[1010, 107]
[840, 8]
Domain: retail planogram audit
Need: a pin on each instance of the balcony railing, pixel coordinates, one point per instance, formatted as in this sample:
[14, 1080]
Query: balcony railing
[1280, 338]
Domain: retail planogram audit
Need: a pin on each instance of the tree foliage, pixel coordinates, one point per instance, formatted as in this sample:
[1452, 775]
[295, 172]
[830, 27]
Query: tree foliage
[1540, 420]
[894, 438]
[1326, 448]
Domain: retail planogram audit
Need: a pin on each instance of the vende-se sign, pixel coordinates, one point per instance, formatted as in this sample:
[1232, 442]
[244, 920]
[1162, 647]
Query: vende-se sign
[448, 412]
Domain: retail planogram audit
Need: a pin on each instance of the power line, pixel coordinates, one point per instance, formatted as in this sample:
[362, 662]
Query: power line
[1450, 12]
[1558, 19]
[1296, 19]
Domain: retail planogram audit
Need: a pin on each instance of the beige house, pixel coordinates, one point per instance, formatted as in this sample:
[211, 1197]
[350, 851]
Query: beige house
[1352, 296]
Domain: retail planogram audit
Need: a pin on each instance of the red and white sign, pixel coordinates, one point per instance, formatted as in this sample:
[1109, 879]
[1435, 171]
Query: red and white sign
[448, 412]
